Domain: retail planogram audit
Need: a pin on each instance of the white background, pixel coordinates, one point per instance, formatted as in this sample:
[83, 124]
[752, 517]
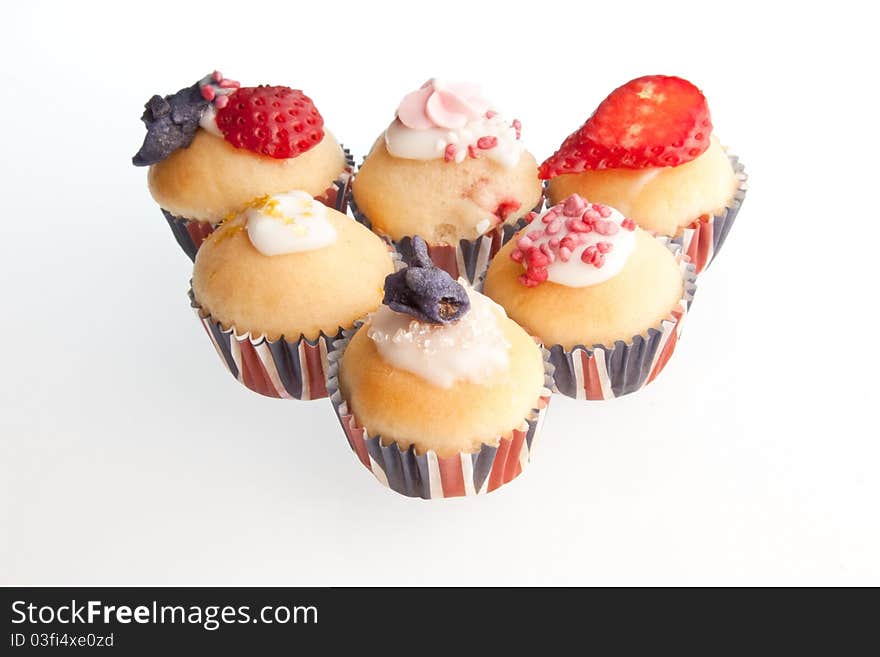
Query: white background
[129, 455]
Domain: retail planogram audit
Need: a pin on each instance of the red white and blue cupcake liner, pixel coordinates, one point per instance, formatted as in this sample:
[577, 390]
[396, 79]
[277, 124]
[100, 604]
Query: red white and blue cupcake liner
[190, 233]
[469, 259]
[600, 372]
[702, 240]
[284, 369]
[429, 475]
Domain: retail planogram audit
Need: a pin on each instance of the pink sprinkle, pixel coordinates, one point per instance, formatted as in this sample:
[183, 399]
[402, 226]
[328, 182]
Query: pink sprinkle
[578, 226]
[216, 76]
[606, 227]
[591, 216]
[221, 101]
[538, 259]
[604, 247]
[524, 243]
[549, 216]
[554, 243]
[573, 206]
[229, 84]
[472, 151]
[603, 210]
[208, 92]
[528, 282]
[554, 226]
[589, 255]
[491, 114]
[449, 153]
[518, 127]
[485, 143]
[535, 235]
[628, 224]
[516, 255]
[564, 254]
[531, 216]
[598, 261]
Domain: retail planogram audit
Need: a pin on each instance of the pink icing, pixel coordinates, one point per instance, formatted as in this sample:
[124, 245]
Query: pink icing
[439, 104]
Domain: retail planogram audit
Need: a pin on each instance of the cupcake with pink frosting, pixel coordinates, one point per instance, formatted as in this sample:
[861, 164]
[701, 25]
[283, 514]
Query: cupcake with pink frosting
[452, 169]
[604, 296]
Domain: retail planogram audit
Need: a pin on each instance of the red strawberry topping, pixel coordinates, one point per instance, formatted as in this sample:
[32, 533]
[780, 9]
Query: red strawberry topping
[652, 121]
[276, 121]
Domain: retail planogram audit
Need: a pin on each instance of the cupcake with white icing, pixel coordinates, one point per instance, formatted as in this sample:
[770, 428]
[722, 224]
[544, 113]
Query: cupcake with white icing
[277, 284]
[213, 146]
[452, 169]
[440, 394]
[605, 297]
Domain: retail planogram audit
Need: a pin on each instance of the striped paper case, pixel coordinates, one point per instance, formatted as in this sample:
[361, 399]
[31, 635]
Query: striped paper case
[604, 372]
[279, 368]
[428, 475]
[703, 239]
[469, 259]
[190, 234]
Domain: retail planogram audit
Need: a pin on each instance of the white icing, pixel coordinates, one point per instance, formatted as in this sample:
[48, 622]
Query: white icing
[575, 272]
[208, 120]
[430, 143]
[288, 223]
[472, 349]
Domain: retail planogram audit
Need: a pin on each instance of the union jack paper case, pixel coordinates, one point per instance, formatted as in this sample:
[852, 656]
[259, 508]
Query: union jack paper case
[190, 234]
[428, 475]
[601, 372]
[285, 369]
[703, 239]
[469, 259]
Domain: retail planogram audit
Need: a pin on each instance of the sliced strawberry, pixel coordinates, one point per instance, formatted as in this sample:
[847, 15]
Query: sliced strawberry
[276, 121]
[652, 121]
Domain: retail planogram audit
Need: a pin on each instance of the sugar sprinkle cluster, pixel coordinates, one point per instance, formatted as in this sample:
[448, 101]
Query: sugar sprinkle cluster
[462, 144]
[216, 89]
[568, 225]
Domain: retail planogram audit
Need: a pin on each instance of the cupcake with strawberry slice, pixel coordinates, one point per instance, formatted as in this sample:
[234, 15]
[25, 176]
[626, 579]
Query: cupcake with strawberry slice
[213, 147]
[648, 151]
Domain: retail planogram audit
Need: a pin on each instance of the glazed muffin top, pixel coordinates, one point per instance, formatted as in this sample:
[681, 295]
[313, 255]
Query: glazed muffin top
[289, 266]
[215, 145]
[440, 366]
[647, 150]
[448, 167]
[582, 274]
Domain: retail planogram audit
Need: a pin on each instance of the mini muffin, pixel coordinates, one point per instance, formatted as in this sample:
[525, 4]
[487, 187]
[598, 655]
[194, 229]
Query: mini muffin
[276, 284]
[649, 151]
[214, 146]
[451, 169]
[603, 295]
[439, 391]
